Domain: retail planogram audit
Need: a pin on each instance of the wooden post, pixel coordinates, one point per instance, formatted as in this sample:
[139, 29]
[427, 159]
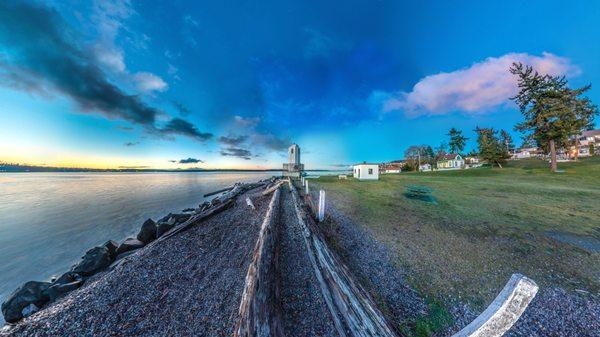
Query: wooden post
[306, 185]
[321, 205]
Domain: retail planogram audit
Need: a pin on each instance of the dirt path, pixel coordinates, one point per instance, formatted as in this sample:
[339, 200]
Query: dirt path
[189, 285]
[304, 311]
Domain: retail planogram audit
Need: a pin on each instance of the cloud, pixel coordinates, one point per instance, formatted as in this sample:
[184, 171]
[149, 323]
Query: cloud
[236, 152]
[43, 55]
[187, 161]
[271, 142]
[129, 144]
[147, 82]
[247, 122]
[475, 89]
[233, 140]
[184, 128]
[183, 110]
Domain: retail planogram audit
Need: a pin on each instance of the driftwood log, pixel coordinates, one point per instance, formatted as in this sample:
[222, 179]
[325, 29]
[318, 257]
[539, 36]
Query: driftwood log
[260, 306]
[504, 311]
[219, 191]
[273, 188]
[353, 311]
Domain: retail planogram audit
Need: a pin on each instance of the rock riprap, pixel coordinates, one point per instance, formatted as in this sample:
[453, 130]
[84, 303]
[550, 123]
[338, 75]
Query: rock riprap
[32, 292]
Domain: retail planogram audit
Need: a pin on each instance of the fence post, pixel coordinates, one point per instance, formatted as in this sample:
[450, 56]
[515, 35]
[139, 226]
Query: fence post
[306, 185]
[321, 205]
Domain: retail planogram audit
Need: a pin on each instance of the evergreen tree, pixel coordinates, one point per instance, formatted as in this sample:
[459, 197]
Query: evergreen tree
[507, 141]
[491, 147]
[457, 141]
[553, 112]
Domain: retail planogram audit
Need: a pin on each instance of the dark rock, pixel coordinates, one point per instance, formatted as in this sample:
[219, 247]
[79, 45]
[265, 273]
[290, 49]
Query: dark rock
[186, 210]
[162, 228]
[58, 290]
[30, 310]
[67, 277]
[93, 261]
[31, 292]
[129, 244]
[147, 233]
[112, 248]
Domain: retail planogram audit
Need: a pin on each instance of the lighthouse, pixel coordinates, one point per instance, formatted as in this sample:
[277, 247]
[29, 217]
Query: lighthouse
[293, 168]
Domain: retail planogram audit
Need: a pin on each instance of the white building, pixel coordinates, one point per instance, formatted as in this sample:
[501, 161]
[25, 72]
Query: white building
[451, 162]
[425, 167]
[366, 171]
[293, 168]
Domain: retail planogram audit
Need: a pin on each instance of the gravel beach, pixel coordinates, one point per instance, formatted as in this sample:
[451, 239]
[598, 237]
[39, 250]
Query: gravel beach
[188, 285]
[304, 310]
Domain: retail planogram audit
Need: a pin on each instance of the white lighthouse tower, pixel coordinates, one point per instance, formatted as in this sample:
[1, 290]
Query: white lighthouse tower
[293, 168]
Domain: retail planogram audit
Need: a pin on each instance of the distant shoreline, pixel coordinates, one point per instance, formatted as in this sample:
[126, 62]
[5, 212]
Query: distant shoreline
[4, 168]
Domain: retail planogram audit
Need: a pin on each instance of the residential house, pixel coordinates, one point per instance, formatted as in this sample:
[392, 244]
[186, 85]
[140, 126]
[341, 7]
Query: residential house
[451, 162]
[393, 167]
[589, 139]
[366, 171]
[425, 167]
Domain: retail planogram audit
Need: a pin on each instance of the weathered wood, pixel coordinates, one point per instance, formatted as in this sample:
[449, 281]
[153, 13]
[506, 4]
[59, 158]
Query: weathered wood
[250, 203]
[353, 312]
[504, 311]
[273, 188]
[219, 191]
[259, 311]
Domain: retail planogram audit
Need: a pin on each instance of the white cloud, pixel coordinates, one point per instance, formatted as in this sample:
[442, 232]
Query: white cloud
[147, 82]
[475, 89]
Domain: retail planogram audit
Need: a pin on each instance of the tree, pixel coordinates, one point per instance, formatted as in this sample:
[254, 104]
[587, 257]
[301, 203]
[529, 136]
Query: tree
[457, 141]
[592, 149]
[553, 112]
[507, 141]
[416, 155]
[491, 147]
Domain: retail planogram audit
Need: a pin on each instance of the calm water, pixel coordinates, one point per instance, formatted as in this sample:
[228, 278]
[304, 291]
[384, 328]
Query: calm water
[49, 220]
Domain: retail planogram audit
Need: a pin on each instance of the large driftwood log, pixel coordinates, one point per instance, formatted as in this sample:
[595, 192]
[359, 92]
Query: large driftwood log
[353, 311]
[504, 311]
[273, 188]
[260, 306]
[219, 191]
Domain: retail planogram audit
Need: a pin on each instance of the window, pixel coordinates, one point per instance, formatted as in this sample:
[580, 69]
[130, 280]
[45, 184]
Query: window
[370, 171]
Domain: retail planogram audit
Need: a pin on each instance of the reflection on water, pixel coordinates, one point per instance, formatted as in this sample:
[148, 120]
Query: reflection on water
[49, 220]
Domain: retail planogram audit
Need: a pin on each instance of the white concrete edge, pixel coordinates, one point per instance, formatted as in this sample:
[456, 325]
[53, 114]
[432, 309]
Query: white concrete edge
[504, 311]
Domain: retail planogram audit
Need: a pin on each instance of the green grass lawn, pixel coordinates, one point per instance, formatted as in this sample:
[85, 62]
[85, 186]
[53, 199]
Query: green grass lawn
[487, 224]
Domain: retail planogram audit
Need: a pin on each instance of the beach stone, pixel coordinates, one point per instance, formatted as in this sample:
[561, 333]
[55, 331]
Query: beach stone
[215, 201]
[162, 228]
[147, 233]
[31, 292]
[93, 261]
[30, 310]
[57, 290]
[112, 248]
[129, 244]
[175, 219]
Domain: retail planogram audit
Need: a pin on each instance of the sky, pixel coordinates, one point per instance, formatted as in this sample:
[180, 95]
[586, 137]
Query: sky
[231, 84]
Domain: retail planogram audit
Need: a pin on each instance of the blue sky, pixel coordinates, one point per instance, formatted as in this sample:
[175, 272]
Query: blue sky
[232, 83]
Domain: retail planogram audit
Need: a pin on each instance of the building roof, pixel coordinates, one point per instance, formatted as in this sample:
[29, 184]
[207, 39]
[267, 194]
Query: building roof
[591, 133]
[449, 156]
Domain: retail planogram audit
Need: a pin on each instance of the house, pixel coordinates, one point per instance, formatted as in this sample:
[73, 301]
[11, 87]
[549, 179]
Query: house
[451, 162]
[366, 171]
[425, 167]
[392, 167]
[526, 152]
[589, 140]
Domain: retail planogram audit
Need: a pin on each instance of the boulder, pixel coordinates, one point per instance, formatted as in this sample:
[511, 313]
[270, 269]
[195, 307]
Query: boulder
[215, 201]
[31, 292]
[67, 277]
[30, 310]
[112, 248]
[93, 261]
[162, 228]
[187, 210]
[147, 233]
[129, 244]
[58, 290]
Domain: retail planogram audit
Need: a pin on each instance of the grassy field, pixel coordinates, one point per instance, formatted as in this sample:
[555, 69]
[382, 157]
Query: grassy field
[487, 224]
